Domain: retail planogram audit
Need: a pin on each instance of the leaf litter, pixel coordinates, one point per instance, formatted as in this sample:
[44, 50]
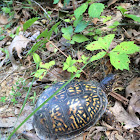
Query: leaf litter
[127, 115]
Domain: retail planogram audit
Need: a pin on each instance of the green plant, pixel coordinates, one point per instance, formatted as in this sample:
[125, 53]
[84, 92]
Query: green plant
[72, 33]
[134, 17]
[33, 98]
[44, 67]
[3, 99]
[118, 56]
[106, 18]
[15, 92]
[115, 24]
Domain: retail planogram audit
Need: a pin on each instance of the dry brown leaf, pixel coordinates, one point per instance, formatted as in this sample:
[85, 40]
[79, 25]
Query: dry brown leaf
[3, 20]
[95, 133]
[113, 135]
[117, 17]
[10, 121]
[111, 2]
[18, 43]
[26, 13]
[133, 35]
[56, 74]
[124, 117]
[50, 47]
[133, 88]
[133, 92]
[79, 54]
[125, 5]
[95, 20]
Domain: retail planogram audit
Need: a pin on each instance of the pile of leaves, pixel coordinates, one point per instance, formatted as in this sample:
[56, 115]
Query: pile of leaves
[46, 42]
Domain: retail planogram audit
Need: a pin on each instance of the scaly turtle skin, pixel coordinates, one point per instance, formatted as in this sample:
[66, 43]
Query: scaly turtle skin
[75, 108]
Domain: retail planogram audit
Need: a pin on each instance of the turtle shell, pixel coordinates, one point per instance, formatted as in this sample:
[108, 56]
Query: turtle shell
[74, 109]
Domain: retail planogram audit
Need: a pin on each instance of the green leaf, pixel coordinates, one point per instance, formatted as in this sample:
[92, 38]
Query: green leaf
[29, 22]
[40, 73]
[69, 64]
[72, 69]
[67, 32]
[75, 23]
[55, 1]
[36, 58]
[119, 60]
[134, 17]
[66, 2]
[95, 10]
[98, 56]
[81, 26]
[127, 48]
[47, 34]
[80, 10]
[36, 46]
[43, 34]
[102, 43]
[79, 38]
[47, 65]
[115, 24]
[106, 18]
[84, 59]
[121, 9]
[6, 10]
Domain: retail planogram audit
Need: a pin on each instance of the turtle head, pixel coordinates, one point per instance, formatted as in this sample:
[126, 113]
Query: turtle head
[107, 82]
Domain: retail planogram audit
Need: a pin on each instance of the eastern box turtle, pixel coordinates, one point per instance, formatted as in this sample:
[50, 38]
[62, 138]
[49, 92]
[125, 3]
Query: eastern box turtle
[75, 108]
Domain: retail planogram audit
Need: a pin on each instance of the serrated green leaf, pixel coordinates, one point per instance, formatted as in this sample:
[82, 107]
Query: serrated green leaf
[102, 43]
[81, 26]
[72, 69]
[66, 66]
[95, 10]
[47, 65]
[69, 64]
[79, 38]
[36, 58]
[80, 10]
[29, 22]
[134, 17]
[40, 72]
[98, 56]
[67, 32]
[119, 60]
[127, 47]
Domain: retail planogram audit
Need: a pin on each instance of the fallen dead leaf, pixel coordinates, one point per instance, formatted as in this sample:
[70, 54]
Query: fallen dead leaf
[133, 88]
[56, 74]
[133, 92]
[18, 43]
[10, 120]
[95, 133]
[3, 20]
[111, 2]
[50, 47]
[125, 5]
[124, 117]
[95, 20]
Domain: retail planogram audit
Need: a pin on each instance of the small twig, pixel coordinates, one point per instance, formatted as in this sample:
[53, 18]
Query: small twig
[41, 8]
[119, 97]
[8, 75]
[58, 48]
